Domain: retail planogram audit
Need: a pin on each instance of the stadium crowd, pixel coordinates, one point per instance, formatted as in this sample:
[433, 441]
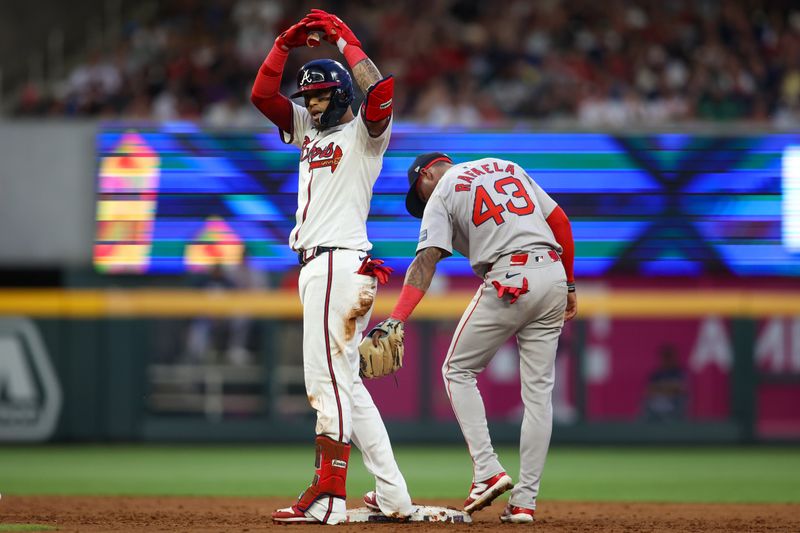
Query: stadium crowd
[461, 62]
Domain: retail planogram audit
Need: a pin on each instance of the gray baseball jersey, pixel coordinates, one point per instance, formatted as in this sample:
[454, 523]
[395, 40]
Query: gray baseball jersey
[493, 213]
[486, 209]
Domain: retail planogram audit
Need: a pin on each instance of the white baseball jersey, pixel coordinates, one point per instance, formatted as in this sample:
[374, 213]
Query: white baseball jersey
[486, 209]
[338, 168]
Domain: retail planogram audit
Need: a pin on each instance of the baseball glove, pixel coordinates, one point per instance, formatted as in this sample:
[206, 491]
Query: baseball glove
[385, 358]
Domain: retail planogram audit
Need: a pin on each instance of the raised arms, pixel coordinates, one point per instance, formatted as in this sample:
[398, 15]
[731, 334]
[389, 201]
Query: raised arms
[377, 108]
[265, 94]
[366, 74]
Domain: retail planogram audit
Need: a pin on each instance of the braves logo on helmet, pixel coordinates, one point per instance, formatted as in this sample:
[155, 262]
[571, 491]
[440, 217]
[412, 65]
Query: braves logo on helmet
[309, 77]
[321, 74]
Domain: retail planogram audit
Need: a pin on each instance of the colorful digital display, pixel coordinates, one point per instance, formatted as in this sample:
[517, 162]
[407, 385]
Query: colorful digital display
[175, 198]
[791, 199]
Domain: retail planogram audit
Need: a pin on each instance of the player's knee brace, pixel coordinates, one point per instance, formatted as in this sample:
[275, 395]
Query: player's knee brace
[330, 478]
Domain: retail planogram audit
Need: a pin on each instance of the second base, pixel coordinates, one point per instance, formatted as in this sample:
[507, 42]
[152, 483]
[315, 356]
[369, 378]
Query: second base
[422, 513]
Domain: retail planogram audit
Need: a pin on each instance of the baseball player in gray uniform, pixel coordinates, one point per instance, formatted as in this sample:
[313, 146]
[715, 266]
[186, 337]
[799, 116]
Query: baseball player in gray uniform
[519, 241]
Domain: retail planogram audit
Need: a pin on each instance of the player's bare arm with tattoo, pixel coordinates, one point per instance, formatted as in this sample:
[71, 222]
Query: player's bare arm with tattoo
[418, 279]
[377, 107]
[366, 74]
[368, 77]
[423, 267]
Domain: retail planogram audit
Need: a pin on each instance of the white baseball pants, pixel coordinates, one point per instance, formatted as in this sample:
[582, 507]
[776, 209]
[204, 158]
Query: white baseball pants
[337, 305]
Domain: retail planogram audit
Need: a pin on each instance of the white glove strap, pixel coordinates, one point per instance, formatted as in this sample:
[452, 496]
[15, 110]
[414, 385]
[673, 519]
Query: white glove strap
[340, 44]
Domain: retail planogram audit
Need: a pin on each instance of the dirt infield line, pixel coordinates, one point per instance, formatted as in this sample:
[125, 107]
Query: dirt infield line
[201, 514]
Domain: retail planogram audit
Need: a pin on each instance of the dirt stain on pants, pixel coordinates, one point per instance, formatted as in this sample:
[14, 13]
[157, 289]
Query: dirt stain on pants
[365, 299]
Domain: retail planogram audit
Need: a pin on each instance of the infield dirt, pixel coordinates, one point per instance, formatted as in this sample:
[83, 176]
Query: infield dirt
[205, 514]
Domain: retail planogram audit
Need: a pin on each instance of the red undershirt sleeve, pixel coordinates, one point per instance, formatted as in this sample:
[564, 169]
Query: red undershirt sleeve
[266, 94]
[562, 230]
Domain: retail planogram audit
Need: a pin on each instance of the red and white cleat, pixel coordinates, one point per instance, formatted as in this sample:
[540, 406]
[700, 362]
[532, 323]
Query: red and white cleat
[517, 515]
[371, 501]
[483, 493]
[293, 515]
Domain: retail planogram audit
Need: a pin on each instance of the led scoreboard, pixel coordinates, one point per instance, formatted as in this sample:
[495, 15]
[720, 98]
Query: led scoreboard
[174, 198]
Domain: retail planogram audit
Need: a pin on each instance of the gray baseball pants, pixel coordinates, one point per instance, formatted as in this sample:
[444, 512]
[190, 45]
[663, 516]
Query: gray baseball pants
[536, 319]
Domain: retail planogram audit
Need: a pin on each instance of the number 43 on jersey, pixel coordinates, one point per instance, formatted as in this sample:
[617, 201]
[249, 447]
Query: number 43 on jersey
[485, 209]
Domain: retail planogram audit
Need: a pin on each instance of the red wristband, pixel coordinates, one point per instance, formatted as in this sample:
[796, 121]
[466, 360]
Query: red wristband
[353, 54]
[408, 300]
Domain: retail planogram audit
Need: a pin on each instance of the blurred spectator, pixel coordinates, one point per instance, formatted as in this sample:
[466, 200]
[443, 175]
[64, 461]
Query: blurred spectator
[241, 345]
[666, 394]
[232, 111]
[443, 106]
[228, 340]
[615, 63]
[207, 336]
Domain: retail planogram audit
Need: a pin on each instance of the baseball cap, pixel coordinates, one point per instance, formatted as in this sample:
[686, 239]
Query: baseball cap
[414, 203]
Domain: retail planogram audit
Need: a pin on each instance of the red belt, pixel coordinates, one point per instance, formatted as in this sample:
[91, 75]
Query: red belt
[522, 259]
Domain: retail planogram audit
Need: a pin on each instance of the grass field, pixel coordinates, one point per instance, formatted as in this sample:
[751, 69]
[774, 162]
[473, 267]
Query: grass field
[723, 475]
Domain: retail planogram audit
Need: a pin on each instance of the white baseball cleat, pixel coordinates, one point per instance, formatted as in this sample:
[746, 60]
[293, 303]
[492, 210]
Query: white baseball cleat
[483, 493]
[371, 501]
[293, 515]
[517, 515]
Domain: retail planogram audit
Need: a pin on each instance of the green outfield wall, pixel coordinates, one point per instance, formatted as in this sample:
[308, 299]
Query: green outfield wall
[112, 365]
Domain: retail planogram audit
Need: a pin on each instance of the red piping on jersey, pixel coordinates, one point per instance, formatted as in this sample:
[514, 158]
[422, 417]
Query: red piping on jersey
[305, 209]
[447, 364]
[328, 346]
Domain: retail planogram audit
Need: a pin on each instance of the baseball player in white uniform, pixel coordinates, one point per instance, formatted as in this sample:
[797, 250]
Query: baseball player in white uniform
[341, 155]
[520, 242]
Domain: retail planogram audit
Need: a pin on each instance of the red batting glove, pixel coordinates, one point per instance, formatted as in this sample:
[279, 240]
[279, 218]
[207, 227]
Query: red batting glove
[374, 268]
[333, 27]
[294, 37]
[382, 273]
